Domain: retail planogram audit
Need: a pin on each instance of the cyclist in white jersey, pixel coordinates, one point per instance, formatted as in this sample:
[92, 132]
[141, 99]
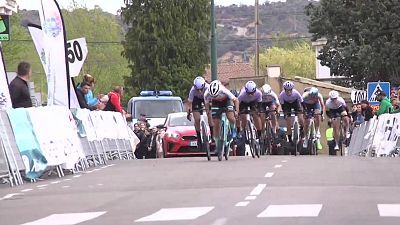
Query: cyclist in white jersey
[336, 107]
[270, 104]
[314, 105]
[195, 106]
[222, 100]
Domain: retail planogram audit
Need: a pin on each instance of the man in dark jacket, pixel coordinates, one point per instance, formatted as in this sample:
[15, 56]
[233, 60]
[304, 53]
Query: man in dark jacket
[19, 90]
[367, 110]
[80, 94]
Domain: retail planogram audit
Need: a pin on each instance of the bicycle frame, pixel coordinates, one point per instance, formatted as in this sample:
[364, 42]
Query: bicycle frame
[223, 143]
[251, 134]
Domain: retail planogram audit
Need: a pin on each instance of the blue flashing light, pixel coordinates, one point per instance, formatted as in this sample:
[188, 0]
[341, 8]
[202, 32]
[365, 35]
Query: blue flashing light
[156, 93]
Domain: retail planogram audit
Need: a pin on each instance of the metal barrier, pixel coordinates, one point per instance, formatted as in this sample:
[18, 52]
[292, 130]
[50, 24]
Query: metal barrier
[87, 138]
[377, 137]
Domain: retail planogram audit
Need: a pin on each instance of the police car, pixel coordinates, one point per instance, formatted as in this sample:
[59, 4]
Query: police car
[156, 105]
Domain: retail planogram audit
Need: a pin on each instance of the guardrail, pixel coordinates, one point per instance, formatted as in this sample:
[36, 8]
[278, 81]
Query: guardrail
[377, 137]
[34, 141]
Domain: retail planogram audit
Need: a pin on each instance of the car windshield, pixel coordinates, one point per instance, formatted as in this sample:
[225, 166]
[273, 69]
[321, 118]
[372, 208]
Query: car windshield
[180, 121]
[157, 109]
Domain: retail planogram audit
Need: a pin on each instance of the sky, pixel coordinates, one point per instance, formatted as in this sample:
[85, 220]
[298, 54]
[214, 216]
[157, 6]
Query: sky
[112, 6]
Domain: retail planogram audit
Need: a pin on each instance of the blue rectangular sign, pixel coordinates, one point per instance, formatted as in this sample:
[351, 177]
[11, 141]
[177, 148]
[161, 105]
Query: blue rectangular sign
[374, 87]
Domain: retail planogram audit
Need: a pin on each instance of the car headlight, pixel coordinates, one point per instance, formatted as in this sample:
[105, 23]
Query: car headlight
[172, 135]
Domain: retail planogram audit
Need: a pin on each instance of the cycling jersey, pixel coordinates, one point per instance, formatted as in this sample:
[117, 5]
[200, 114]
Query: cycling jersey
[271, 97]
[246, 98]
[294, 97]
[310, 100]
[196, 93]
[335, 104]
[223, 95]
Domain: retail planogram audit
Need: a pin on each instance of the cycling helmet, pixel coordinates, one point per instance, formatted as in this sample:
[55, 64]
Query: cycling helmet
[333, 94]
[215, 88]
[199, 83]
[266, 89]
[307, 89]
[235, 93]
[313, 91]
[288, 85]
[250, 87]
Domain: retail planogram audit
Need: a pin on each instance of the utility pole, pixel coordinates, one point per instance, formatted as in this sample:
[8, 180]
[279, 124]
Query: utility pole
[257, 22]
[214, 73]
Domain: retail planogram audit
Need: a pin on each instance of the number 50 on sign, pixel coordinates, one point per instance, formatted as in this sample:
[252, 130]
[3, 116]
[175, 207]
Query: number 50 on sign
[77, 53]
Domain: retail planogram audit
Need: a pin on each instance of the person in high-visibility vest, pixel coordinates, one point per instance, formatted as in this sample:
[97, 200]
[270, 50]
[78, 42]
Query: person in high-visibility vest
[330, 139]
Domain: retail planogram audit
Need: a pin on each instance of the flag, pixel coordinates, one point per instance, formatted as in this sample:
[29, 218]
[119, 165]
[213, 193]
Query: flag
[5, 100]
[60, 86]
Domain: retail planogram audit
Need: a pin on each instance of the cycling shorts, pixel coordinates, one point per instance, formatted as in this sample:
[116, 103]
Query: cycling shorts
[310, 109]
[264, 106]
[197, 104]
[218, 107]
[288, 108]
[243, 107]
[335, 113]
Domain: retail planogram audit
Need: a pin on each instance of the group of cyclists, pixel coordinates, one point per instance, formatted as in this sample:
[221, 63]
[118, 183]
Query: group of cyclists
[262, 103]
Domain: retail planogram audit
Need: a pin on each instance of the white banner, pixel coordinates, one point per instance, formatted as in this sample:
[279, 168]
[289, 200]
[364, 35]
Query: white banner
[77, 53]
[55, 55]
[5, 100]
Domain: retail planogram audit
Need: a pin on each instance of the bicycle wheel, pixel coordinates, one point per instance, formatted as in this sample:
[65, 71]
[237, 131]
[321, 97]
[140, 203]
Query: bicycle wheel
[221, 141]
[296, 131]
[226, 143]
[311, 145]
[205, 144]
[250, 137]
[341, 138]
[263, 143]
[268, 138]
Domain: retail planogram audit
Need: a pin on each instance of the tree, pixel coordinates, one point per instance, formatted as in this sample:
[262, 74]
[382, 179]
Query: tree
[363, 38]
[166, 43]
[297, 60]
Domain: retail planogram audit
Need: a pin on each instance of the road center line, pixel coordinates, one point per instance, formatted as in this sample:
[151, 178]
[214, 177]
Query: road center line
[43, 185]
[56, 182]
[284, 161]
[269, 174]
[10, 196]
[242, 204]
[278, 166]
[26, 190]
[250, 198]
[220, 221]
[76, 176]
[258, 189]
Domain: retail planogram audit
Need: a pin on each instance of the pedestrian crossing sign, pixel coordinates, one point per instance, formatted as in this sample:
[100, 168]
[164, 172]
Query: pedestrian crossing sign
[374, 87]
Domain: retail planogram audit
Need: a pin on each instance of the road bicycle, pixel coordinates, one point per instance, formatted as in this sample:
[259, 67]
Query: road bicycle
[311, 137]
[223, 144]
[296, 137]
[205, 138]
[342, 137]
[267, 135]
[251, 135]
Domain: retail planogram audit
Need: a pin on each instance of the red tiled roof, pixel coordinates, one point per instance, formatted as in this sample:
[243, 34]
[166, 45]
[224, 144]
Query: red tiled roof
[231, 70]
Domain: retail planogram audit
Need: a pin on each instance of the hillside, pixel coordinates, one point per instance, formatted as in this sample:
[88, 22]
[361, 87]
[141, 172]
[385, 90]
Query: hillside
[236, 29]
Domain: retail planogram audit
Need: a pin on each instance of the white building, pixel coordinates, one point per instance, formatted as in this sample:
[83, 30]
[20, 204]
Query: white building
[7, 7]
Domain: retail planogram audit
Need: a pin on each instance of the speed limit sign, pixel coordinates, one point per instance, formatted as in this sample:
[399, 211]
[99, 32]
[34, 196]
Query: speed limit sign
[77, 53]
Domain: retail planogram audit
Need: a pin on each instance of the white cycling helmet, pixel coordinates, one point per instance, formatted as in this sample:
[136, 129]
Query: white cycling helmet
[333, 94]
[215, 88]
[250, 87]
[313, 91]
[266, 89]
[199, 83]
[288, 85]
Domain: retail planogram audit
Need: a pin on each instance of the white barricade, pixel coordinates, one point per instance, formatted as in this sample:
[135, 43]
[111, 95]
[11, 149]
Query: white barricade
[377, 137]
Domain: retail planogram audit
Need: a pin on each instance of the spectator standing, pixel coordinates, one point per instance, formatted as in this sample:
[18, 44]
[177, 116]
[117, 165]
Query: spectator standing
[366, 110]
[89, 97]
[395, 104]
[359, 118]
[330, 139]
[80, 94]
[19, 89]
[385, 106]
[114, 102]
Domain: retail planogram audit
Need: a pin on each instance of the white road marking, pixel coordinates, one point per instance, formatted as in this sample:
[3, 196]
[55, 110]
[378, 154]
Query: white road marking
[111, 165]
[56, 182]
[43, 185]
[389, 210]
[278, 166]
[311, 210]
[27, 190]
[8, 196]
[76, 176]
[66, 219]
[91, 171]
[250, 198]
[220, 221]
[96, 170]
[67, 179]
[258, 189]
[269, 174]
[42, 188]
[99, 184]
[171, 214]
[103, 167]
[66, 186]
[242, 204]
[284, 161]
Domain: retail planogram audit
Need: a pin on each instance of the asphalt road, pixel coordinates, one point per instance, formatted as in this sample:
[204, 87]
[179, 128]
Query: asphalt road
[272, 190]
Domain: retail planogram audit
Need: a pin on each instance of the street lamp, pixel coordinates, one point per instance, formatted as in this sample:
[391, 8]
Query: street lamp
[214, 73]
